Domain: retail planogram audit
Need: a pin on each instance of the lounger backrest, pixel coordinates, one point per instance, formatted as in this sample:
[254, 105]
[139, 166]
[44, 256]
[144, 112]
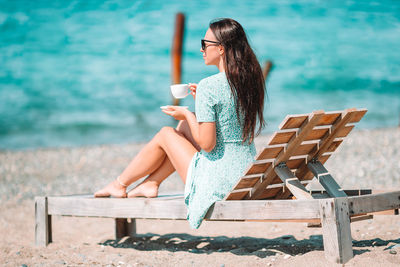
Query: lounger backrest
[300, 139]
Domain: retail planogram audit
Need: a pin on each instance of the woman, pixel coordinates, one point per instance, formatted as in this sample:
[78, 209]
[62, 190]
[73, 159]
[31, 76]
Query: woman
[212, 148]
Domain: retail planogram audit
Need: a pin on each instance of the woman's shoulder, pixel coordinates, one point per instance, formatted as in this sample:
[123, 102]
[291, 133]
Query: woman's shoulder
[213, 80]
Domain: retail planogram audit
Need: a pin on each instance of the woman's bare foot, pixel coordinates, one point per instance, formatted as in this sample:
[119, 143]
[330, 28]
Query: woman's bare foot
[114, 189]
[145, 189]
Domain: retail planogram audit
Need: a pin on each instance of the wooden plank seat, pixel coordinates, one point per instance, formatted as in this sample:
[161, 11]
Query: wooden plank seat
[271, 189]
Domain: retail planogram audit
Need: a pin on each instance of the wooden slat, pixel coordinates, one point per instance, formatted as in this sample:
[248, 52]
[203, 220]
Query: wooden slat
[258, 167]
[349, 192]
[358, 116]
[293, 121]
[118, 208]
[318, 133]
[329, 118]
[175, 209]
[374, 202]
[283, 194]
[270, 152]
[361, 218]
[323, 193]
[305, 148]
[324, 158]
[294, 163]
[265, 210]
[335, 144]
[315, 221]
[386, 212]
[269, 193]
[361, 192]
[246, 182]
[277, 183]
[282, 136]
[256, 175]
[345, 131]
[301, 157]
[237, 195]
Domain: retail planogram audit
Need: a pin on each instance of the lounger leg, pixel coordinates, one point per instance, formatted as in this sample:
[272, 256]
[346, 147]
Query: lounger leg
[125, 228]
[43, 234]
[336, 229]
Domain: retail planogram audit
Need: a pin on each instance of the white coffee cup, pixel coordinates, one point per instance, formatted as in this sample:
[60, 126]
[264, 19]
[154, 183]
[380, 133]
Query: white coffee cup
[180, 90]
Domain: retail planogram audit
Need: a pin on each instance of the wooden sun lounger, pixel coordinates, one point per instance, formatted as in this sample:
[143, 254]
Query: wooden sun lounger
[272, 189]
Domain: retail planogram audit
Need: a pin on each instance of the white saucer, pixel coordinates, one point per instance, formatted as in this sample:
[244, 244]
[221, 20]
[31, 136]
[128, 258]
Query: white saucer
[166, 107]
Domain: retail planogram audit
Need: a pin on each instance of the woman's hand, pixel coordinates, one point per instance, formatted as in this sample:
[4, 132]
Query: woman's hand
[177, 112]
[193, 87]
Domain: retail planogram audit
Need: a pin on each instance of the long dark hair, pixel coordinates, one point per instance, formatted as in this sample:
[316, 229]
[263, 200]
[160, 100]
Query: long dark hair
[244, 75]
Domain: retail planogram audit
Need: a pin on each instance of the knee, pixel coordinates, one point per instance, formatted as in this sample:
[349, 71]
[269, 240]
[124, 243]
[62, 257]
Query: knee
[166, 130]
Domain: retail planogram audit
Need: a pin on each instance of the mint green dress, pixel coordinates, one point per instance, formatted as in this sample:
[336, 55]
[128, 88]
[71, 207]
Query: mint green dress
[211, 176]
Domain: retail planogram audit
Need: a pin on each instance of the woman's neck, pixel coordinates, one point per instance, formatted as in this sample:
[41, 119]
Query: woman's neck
[221, 66]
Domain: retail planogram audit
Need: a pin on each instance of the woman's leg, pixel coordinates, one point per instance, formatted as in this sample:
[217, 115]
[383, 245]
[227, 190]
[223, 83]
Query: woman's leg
[149, 187]
[167, 143]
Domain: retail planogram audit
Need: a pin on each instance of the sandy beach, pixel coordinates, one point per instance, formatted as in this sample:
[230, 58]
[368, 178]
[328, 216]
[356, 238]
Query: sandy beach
[366, 159]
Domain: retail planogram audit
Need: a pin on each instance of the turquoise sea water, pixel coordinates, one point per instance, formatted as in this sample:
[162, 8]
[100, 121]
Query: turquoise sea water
[93, 72]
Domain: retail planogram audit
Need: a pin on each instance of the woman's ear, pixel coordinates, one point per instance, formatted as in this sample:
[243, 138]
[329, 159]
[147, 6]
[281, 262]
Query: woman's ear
[221, 50]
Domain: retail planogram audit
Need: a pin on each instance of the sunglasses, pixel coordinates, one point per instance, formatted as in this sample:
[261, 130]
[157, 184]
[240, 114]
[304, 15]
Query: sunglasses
[203, 43]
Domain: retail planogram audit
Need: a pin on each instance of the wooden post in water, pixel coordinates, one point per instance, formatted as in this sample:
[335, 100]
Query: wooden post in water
[267, 68]
[177, 47]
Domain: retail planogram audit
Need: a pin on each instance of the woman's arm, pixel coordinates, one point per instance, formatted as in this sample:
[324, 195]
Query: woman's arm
[204, 133]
